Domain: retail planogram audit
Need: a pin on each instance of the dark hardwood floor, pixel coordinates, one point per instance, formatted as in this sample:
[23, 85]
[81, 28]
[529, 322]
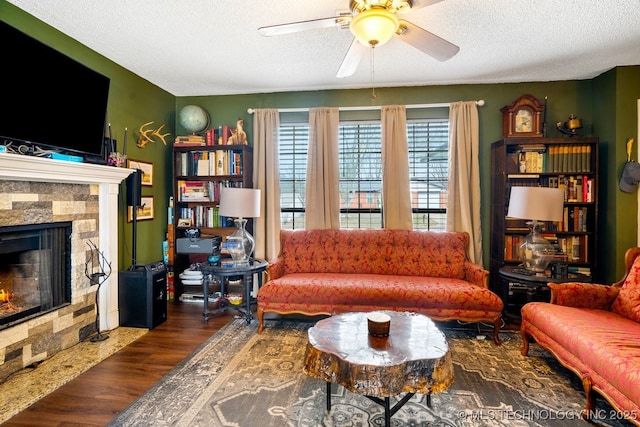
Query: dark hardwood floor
[95, 397]
[98, 395]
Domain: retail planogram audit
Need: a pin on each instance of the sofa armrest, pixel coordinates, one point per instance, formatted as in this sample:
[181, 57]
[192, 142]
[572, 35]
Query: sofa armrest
[476, 274]
[275, 269]
[583, 295]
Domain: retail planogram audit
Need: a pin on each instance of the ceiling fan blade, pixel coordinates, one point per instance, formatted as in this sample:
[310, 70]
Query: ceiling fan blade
[294, 27]
[417, 4]
[352, 59]
[427, 42]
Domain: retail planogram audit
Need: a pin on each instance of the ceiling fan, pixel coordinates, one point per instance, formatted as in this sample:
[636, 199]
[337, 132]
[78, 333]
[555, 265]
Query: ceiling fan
[373, 23]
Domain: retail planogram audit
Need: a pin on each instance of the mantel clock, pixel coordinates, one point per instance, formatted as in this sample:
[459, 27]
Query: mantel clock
[523, 118]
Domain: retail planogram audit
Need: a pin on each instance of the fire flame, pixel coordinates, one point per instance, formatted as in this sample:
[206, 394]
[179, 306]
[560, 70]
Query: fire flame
[6, 296]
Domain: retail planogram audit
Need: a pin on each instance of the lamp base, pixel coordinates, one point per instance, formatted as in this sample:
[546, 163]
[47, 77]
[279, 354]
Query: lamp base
[240, 243]
[535, 251]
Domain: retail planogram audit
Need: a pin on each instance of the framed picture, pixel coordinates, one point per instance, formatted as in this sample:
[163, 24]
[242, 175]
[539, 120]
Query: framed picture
[184, 222]
[145, 167]
[145, 211]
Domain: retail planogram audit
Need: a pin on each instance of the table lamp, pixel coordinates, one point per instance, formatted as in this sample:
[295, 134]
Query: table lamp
[240, 203]
[536, 204]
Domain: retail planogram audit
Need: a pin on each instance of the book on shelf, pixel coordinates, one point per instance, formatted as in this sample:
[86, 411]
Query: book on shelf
[194, 191]
[569, 158]
[580, 270]
[576, 248]
[211, 136]
[189, 140]
[224, 133]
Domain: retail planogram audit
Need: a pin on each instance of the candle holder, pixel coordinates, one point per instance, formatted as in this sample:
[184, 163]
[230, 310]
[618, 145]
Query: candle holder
[378, 324]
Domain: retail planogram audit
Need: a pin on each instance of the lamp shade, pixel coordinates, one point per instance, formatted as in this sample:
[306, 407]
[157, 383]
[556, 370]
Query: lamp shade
[239, 202]
[536, 203]
[375, 26]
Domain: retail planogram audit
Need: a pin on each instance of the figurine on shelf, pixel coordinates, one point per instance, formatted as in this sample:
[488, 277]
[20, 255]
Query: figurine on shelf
[238, 135]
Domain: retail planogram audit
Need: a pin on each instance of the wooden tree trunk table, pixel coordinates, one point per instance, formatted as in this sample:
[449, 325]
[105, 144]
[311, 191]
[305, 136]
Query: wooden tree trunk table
[414, 358]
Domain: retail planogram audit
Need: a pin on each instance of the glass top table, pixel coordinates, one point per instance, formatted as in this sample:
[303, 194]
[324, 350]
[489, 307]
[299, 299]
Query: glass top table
[223, 271]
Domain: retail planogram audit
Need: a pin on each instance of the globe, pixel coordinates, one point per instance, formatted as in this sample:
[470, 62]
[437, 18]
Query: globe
[193, 118]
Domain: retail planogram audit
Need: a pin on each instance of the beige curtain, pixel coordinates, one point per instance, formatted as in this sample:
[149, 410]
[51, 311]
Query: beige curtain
[322, 210]
[266, 124]
[396, 192]
[463, 203]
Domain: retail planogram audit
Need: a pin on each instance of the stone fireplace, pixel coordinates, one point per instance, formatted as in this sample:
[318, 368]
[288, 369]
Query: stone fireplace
[45, 191]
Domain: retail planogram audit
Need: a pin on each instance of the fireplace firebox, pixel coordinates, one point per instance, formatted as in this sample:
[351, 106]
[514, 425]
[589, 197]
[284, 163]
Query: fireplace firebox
[35, 270]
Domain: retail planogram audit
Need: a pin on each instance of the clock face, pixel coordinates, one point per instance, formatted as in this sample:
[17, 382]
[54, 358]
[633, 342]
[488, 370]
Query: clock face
[523, 121]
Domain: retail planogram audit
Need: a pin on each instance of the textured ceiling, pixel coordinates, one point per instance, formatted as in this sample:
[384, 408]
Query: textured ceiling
[212, 47]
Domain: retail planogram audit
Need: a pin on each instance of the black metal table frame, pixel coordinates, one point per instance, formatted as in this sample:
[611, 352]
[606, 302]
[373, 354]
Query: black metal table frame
[222, 272]
[385, 403]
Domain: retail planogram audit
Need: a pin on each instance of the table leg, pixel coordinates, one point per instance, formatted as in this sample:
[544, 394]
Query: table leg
[247, 296]
[205, 292]
[388, 411]
[328, 396]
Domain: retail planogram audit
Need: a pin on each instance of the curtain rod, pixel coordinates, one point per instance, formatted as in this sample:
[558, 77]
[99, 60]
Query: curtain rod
[479, 103]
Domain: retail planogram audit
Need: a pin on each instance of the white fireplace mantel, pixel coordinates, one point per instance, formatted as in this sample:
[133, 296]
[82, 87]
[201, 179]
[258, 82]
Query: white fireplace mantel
[18, 167]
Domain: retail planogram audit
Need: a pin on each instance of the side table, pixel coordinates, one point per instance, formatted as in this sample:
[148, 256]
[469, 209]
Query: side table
[530, 287]
[223, 271]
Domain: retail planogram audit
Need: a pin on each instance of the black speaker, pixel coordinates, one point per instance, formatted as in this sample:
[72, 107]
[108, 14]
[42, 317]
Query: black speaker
[134, 188]
[142, 295]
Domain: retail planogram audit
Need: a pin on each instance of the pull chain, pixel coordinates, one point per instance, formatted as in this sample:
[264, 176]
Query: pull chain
[372, 66]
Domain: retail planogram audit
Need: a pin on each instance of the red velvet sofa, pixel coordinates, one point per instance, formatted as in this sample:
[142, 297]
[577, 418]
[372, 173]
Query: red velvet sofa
[594, 330]
[336, 271]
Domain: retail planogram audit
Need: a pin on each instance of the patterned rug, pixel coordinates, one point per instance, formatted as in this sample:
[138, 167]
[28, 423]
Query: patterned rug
[241, 378]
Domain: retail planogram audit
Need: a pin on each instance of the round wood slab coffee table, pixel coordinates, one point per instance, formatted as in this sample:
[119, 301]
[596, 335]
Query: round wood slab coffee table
[414, 358]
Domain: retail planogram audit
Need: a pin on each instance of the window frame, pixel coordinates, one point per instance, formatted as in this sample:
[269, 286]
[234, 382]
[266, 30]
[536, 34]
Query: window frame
[423, 217]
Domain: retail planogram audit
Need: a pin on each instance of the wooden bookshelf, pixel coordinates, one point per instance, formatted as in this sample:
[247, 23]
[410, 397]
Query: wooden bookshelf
[569, 163]
[199, 171]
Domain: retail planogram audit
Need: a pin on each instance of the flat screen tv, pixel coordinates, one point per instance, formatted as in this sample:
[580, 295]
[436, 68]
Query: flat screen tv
[48, 100]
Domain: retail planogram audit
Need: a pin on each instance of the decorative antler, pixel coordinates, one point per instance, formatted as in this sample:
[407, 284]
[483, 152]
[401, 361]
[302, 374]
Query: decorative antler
[148, 135]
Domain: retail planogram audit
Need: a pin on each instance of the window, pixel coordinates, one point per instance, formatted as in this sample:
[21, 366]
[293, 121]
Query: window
[294, 139]
[428, 142]
[360, 160]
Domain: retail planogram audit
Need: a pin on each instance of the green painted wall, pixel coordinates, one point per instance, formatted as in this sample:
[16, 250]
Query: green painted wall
[606, 105]
[564, 98]
[615, 96]
[132, 102]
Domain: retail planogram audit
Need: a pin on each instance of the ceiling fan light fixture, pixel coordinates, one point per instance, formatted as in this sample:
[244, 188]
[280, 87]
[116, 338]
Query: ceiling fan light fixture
[374, 26]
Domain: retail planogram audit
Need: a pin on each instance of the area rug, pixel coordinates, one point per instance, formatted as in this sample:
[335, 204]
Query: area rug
[241, 378]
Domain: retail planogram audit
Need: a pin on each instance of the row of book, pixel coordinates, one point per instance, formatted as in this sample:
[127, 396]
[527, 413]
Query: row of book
[202, 191]
[569, 248]
[209, 163]
[189, 141]
[577, 188]
[220, 136]
[203, 216]
[541, 158]
[574, 221]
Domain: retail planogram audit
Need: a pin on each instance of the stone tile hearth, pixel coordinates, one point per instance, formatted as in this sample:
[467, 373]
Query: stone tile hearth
[33, 383]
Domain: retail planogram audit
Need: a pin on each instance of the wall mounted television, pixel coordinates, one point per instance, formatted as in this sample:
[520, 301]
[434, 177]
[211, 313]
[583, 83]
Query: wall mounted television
[48, 100]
